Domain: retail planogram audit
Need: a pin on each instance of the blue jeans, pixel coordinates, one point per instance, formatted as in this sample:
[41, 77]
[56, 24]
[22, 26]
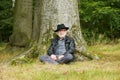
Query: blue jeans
[66, 59]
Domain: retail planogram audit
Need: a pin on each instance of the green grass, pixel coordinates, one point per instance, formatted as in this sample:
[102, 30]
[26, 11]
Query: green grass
[107, 68]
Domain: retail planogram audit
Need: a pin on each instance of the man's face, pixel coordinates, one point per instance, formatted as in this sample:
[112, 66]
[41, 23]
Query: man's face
[62, 33]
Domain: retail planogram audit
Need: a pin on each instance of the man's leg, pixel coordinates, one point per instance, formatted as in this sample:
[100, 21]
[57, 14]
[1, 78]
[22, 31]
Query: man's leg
[66, 59]
[46, 58]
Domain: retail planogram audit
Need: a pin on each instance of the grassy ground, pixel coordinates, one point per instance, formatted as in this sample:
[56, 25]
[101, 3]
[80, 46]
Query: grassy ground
[108, 68]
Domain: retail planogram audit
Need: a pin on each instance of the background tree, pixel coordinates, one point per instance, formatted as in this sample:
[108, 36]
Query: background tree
[22, 26]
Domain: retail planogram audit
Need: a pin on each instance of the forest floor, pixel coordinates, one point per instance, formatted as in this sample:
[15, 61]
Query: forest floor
[107, 68]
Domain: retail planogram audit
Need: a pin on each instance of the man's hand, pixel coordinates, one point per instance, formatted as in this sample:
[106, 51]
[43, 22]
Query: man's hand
[60, 57]
[53, 57]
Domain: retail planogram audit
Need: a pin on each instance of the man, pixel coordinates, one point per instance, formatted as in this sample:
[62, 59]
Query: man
[61, 49]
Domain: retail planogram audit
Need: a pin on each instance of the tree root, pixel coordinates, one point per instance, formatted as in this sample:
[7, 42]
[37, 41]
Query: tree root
[81, 54]
[25, 57]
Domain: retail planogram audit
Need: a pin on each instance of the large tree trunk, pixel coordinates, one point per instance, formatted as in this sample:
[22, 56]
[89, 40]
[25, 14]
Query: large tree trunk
[50, 13]
[47, 15]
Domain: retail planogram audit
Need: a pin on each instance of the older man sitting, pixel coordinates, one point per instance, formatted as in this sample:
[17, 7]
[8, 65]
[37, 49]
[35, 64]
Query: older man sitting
[61, 49]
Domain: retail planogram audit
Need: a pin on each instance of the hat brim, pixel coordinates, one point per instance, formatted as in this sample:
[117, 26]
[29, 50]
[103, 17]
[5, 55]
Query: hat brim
[61, 28]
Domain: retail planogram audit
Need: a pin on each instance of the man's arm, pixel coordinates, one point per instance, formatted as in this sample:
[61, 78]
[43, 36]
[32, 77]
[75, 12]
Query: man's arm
[50, 50]
[71, 47]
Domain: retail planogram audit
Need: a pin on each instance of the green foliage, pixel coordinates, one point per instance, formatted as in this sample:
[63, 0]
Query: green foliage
[100, 20]
[6, 17]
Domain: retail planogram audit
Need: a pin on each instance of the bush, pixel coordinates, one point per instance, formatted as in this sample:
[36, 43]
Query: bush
[100, 20]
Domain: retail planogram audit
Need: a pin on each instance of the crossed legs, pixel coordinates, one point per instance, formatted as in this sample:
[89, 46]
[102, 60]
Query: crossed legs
[67, 58]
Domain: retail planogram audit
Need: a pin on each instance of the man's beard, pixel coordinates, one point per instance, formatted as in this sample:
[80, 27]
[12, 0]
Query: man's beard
[62, 36]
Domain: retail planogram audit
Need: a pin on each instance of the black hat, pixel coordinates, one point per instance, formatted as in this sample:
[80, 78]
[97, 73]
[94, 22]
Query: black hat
[61, 26]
